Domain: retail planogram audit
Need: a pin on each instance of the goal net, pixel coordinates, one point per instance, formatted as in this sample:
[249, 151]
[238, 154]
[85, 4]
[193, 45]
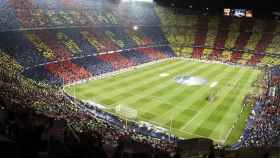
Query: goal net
[127, 112]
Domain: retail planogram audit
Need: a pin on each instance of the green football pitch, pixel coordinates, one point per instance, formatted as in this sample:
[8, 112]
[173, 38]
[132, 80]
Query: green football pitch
[152, 90]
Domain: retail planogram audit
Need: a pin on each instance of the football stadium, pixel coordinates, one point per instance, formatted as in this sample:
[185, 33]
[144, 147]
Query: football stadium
[190, 109]
[138, 79]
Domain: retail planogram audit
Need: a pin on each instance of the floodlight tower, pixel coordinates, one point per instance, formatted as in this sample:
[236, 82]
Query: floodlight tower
[135, 27]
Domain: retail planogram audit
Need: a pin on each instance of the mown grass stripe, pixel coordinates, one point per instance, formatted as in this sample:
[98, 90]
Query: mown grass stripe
[152, 102]
[224, 106]
[233, 108]
[186, 91]
[153, 85]
[107, 81]
[136, 87]
[156, 98]
[202, 116]
[196, 94]
[200, 101]
[121, 84]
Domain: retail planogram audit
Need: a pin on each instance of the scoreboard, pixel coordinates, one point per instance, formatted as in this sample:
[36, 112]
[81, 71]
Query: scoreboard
[238, 12]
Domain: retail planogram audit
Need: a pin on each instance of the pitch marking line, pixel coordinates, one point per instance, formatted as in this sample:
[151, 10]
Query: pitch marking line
[183, 131]
[236, 79]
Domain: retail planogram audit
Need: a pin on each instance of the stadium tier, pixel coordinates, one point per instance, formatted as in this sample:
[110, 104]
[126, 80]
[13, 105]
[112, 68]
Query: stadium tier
[69, 64]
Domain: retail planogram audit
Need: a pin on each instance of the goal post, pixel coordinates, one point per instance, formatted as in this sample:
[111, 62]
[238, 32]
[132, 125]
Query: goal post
[126, 111]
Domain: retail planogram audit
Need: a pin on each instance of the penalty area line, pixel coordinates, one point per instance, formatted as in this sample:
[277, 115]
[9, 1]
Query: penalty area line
[180, 130]
[201, 136]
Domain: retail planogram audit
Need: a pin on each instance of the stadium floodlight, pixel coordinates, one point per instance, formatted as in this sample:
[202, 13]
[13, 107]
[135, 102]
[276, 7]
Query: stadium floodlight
[135, 27]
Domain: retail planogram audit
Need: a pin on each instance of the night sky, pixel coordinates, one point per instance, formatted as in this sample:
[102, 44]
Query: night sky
[252, 4]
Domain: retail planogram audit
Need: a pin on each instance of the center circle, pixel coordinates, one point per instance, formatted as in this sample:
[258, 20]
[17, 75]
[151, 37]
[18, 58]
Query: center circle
[191, 80]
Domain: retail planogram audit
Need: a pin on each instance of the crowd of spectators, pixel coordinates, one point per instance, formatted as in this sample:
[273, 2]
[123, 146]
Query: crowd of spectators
[45, 14]
[243, 41]
[263, 126]
[246, 34]
[94, 51]
[73, 54]
[21, 96]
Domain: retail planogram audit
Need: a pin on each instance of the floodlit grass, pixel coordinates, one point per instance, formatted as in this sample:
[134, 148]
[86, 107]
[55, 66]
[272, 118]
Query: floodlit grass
[160, 99]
